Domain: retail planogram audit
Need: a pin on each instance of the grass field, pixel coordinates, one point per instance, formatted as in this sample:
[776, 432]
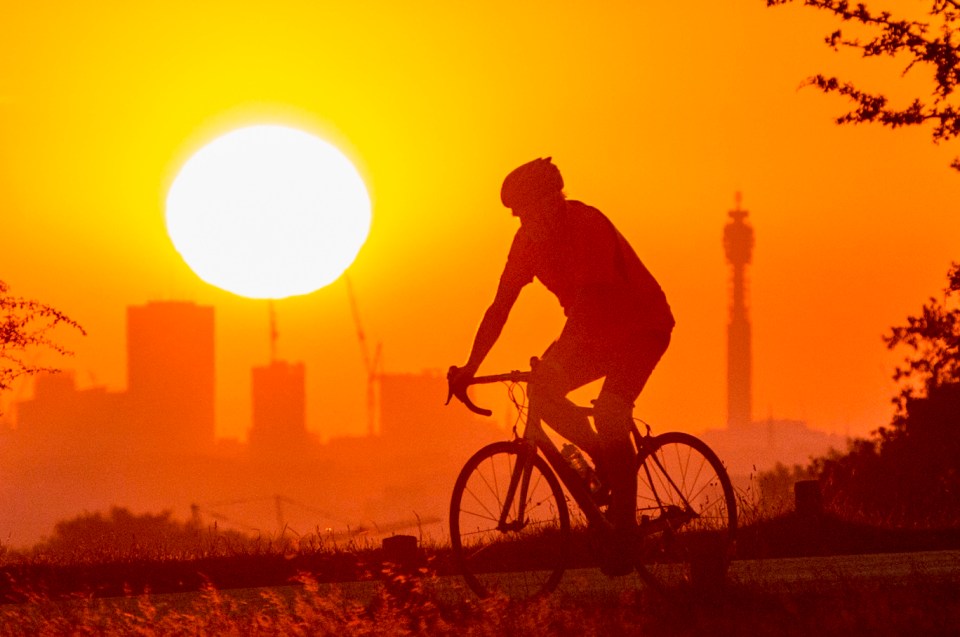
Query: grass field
[415, 605]
[286, 590]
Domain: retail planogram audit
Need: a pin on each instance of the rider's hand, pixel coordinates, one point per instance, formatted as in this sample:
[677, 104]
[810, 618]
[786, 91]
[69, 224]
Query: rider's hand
[459, 378]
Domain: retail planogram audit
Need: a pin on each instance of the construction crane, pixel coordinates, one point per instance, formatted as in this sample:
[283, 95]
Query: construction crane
[371, 363]
[274, 334]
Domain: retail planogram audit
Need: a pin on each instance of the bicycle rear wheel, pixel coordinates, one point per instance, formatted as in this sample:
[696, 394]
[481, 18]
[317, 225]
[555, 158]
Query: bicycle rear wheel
[495, 548]
[687, 512]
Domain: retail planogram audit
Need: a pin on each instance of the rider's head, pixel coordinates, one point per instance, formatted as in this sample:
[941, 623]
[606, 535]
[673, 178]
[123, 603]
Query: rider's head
[530, 183]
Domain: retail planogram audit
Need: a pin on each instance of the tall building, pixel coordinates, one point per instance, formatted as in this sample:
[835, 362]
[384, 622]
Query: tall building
[738, 245]
[168, 407]
[279, 410]
[747, 445]
[62, 420]
[171, 375]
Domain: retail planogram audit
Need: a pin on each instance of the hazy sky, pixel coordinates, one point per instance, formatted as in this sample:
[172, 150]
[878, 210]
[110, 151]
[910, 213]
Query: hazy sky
[657, 113]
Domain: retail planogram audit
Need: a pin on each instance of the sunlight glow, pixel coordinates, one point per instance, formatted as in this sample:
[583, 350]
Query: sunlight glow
[268, 212]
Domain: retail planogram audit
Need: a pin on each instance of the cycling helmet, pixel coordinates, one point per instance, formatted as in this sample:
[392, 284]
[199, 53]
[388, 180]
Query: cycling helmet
[530, 182]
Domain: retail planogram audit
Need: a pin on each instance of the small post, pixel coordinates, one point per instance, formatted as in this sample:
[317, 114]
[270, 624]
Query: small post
[402, 551]
[401, 559]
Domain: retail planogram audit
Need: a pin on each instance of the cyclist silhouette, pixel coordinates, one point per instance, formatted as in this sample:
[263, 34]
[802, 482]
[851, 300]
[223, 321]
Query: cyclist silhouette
[618, 325]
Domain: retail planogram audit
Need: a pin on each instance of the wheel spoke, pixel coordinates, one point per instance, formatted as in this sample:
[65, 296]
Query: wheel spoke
[680, 477]
[527, 557]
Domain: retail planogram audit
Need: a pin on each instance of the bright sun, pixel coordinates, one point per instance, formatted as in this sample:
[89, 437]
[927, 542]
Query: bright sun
[268, 212]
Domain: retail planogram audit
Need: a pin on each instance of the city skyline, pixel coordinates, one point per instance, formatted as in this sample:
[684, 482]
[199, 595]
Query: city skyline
[168, 404]
[153, 446]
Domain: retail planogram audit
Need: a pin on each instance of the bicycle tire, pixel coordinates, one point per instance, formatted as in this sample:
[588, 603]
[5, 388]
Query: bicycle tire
[519, 562]
[684, 545]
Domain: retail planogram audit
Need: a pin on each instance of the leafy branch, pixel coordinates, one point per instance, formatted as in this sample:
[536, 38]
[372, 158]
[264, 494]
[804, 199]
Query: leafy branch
[932, 45]
[25, 325]
[933, 342]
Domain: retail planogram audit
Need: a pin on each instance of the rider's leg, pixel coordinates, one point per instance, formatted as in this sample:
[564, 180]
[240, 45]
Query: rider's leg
[613, 416]
[551, 383]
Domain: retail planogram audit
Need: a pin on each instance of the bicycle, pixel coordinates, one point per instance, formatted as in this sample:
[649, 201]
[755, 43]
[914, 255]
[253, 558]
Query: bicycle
[510, 521]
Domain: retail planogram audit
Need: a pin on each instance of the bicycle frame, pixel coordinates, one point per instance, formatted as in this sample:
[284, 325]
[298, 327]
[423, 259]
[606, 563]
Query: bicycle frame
[537, 440]
[668, 499]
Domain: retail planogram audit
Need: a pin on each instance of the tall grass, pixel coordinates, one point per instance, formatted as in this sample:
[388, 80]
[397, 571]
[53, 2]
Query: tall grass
[214, 559]
[413, 604]
[292, 590]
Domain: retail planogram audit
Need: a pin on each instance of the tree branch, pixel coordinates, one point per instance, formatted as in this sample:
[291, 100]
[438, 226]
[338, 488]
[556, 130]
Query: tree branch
[898, 37]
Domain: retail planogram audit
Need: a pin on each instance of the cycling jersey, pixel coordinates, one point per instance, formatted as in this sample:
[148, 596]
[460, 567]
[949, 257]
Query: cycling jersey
[604, 288]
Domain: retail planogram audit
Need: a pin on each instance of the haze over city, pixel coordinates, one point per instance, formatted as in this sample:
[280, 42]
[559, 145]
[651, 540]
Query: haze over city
[657, 115]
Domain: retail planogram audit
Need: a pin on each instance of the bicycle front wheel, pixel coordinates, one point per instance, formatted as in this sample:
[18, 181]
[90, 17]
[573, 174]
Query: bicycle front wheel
[686, 510]
[509, 523]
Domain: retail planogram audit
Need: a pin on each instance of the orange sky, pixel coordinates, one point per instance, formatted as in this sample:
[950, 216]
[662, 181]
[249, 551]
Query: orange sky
[657, 113]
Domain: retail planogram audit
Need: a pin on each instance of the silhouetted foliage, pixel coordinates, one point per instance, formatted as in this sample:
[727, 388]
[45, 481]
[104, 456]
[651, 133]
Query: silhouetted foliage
[906, 475]
[909, 472]
[25, 326]
[121, 534]
[933, 341]
[931, 45]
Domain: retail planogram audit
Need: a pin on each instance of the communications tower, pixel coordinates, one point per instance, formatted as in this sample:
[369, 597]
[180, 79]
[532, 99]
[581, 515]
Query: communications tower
[738, 245]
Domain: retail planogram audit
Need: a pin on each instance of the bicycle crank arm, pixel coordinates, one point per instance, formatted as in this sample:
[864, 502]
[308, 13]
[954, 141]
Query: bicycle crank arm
[670, 519]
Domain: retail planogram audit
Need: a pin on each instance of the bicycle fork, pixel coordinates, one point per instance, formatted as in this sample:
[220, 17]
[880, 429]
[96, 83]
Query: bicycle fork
[519, 477]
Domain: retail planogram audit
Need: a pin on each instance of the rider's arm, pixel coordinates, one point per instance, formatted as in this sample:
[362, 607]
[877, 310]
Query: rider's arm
[492, 324]
[516, 274]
